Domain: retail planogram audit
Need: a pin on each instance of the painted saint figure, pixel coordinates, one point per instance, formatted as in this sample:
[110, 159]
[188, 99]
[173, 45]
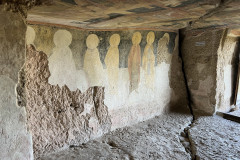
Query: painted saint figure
[134, 61]
[61, 63]
[92, 63]
[30, 36]
[162, 52]
[112, 63]
[148, 61]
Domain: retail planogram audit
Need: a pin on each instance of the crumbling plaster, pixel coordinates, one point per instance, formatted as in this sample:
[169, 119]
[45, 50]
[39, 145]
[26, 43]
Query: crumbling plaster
[15, 140]
[57, 117]
[33, 78]
[71, 109]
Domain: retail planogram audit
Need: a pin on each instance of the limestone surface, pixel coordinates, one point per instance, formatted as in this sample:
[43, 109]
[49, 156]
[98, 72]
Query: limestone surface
[56, 116]
[158, 138]
[215, 138]
[15, 140]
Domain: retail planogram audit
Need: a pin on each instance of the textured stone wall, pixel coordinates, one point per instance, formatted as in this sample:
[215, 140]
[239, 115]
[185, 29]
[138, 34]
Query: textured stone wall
[58, 117]
[15, 140]
[226, 72]
[210, 60]
[199, 50]
[88, 82]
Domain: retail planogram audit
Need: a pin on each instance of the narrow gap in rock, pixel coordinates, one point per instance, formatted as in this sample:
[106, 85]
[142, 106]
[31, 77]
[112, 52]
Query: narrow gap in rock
[184, 139]
[184, 136]
[184, 74]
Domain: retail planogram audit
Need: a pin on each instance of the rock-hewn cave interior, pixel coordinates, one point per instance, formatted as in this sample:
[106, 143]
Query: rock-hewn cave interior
[119, 79]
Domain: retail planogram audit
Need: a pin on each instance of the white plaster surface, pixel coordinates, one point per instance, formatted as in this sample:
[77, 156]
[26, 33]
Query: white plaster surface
[30, 35]
[63, 72]
[61, 63]
[152, 90]
[143, 94]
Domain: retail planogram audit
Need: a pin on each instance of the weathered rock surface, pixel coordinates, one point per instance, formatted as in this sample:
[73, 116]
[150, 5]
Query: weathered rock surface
[56, 116]
[157, 138]
[199, 51]
[210, 57]
[15, 140]
[215, 138]
[22, 6]
[141, 14]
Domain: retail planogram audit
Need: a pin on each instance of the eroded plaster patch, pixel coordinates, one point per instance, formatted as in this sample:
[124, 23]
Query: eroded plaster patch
[159, 83]
[58, 117]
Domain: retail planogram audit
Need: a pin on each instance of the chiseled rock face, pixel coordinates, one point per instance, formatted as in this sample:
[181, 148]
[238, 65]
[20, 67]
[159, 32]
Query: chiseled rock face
[58, 117]
[15, 141]
[199, 53]
[150, 75]
[210, 66]
[63, 110]
[14, 138]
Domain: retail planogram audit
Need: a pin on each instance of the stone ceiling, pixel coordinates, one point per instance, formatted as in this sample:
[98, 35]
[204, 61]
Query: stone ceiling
[138, 14]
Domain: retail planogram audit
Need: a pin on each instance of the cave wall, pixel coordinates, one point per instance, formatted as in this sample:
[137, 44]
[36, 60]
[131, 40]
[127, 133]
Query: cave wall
[15, 140]
[57, 117]
[199, 49]
[136, 75]
[226, 72]
[210, 59]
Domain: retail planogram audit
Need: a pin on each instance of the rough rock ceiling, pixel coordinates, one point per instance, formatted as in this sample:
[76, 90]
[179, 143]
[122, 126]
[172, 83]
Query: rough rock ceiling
[138, 14]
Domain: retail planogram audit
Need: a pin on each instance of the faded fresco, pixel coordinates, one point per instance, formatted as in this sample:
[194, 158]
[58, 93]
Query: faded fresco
[112, 63]
[163, 54]
[61, 60]
[148, 61]
[92, 63]
[129, 64]
[134, 61]
[30, 36]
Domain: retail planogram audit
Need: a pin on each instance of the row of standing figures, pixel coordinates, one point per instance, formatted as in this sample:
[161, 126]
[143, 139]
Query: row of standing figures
[62, 65]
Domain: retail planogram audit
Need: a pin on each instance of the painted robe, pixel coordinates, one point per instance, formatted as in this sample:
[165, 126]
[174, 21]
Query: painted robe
[93, 67]
[112, 63]
[134, 63]
[148, 62]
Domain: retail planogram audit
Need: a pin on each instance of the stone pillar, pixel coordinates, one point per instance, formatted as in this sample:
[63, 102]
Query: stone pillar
[199, 49]
[15, 140]
[209, 58]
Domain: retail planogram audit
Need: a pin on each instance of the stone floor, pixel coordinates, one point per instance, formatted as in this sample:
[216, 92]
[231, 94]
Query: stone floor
[165, 137]
[235, 113]
[215, 138]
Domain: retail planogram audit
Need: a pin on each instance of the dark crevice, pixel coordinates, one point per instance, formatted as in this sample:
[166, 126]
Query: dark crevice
[181, 37]
[185, 140]
[185, 133]
[236, 74]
